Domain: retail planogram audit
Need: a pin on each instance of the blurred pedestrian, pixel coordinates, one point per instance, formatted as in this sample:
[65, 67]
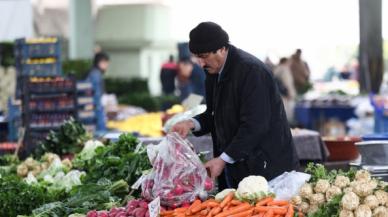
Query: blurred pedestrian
[168, 73]
[95, 76]
[300, 71]
[283, 73]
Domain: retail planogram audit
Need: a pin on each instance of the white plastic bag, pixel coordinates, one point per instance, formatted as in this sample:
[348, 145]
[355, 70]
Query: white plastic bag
[178, 176]
[183, 116]
[287, 185]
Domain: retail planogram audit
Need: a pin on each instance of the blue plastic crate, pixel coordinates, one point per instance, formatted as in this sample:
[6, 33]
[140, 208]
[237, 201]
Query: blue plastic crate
[42, 69]
[37, 50]
[381, 121]
[14, 120]
[374, 137]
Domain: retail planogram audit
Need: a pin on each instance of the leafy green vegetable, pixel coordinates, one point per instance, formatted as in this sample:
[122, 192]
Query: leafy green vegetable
[19, 198]
[125, 159]
[68, 139]
[318, 171]
[9, 159]
[329, 209]
[99, 196]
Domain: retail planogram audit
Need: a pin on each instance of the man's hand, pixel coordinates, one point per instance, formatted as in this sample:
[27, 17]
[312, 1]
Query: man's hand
[183, 128]
[216, 166]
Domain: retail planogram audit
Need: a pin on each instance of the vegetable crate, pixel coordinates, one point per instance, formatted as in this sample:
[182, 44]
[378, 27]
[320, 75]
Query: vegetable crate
[381, 121]
[38, 122]
[380, 105]
[14, 119]
[38, 48]
[41, 69]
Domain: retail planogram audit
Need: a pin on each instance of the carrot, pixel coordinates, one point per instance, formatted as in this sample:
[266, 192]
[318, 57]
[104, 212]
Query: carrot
[234, 210]
[204, 212]
[243, 214]
[235, 202]
[278, 203]
[257, 215]
[300, 214]
[264, 201]
[164, 213]
[275, 209]
[181, 209]
[226, 208]
[269, 213]
[290, 211]
[261, 214]
[216, 210]
[212, 204]
[227, 199]
[197, 208]
[194, 204]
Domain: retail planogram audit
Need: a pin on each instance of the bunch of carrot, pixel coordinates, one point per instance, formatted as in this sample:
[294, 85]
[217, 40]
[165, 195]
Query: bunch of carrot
[230, 207]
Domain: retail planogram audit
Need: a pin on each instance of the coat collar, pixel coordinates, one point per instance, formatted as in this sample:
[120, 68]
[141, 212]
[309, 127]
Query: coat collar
[226, 72]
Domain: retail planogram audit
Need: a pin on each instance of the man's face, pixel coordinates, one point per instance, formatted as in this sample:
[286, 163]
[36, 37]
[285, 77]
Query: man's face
[212, 61]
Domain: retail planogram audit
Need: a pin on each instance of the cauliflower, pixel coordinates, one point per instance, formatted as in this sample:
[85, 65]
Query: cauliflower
[321, 186]
[317, 199]
[221, 195]
[363, 188]
[306, 190]
[31, 163]
[341, 181]
[363, 211]
[304, 207]
[382, 197]
[371, 201]
[22, 170]
[296, 200]
[380, 211]
[346, 213]
[49, 157]
[348, 189]
[362, 175]
[350, 201]
[37, 170]
[332, 191]
[67, 163]
[251, 187]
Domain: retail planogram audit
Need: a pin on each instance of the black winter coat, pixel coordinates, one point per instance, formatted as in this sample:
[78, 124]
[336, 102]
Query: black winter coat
[246, 118]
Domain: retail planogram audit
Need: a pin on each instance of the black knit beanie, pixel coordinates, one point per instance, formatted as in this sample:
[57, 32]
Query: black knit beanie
[207, 37]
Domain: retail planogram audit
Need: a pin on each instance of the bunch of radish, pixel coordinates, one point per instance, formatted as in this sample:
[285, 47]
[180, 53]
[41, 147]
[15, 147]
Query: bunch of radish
[135, 208]
[178, 176]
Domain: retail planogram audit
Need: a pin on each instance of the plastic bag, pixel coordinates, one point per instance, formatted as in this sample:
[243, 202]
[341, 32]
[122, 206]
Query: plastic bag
[183, 116]
[288, 184]
[177, 176]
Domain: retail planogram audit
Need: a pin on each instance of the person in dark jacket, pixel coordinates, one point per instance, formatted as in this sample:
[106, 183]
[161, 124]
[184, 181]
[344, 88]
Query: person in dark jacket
[167, 76]
[245, 114]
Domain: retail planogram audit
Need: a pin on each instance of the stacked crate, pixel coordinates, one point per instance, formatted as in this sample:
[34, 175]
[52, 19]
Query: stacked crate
[48, 98]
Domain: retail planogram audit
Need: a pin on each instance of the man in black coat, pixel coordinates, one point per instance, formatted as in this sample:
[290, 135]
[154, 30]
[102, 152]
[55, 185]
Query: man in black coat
[245, 114]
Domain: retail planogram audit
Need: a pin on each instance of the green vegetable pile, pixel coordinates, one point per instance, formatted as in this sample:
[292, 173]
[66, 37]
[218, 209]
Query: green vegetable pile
[126, 159]
[19, 198]
[70, 138]
[318, 171]
[82, 198]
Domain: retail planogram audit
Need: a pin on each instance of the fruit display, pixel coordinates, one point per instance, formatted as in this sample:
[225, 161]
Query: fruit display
[149, 124]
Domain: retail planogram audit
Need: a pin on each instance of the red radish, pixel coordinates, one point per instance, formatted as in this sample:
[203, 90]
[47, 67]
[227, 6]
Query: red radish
[143, 204]
[103, 214]
[178, 190]
[208, 184]
[147, 214]
[92, 213]
[186, 204]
